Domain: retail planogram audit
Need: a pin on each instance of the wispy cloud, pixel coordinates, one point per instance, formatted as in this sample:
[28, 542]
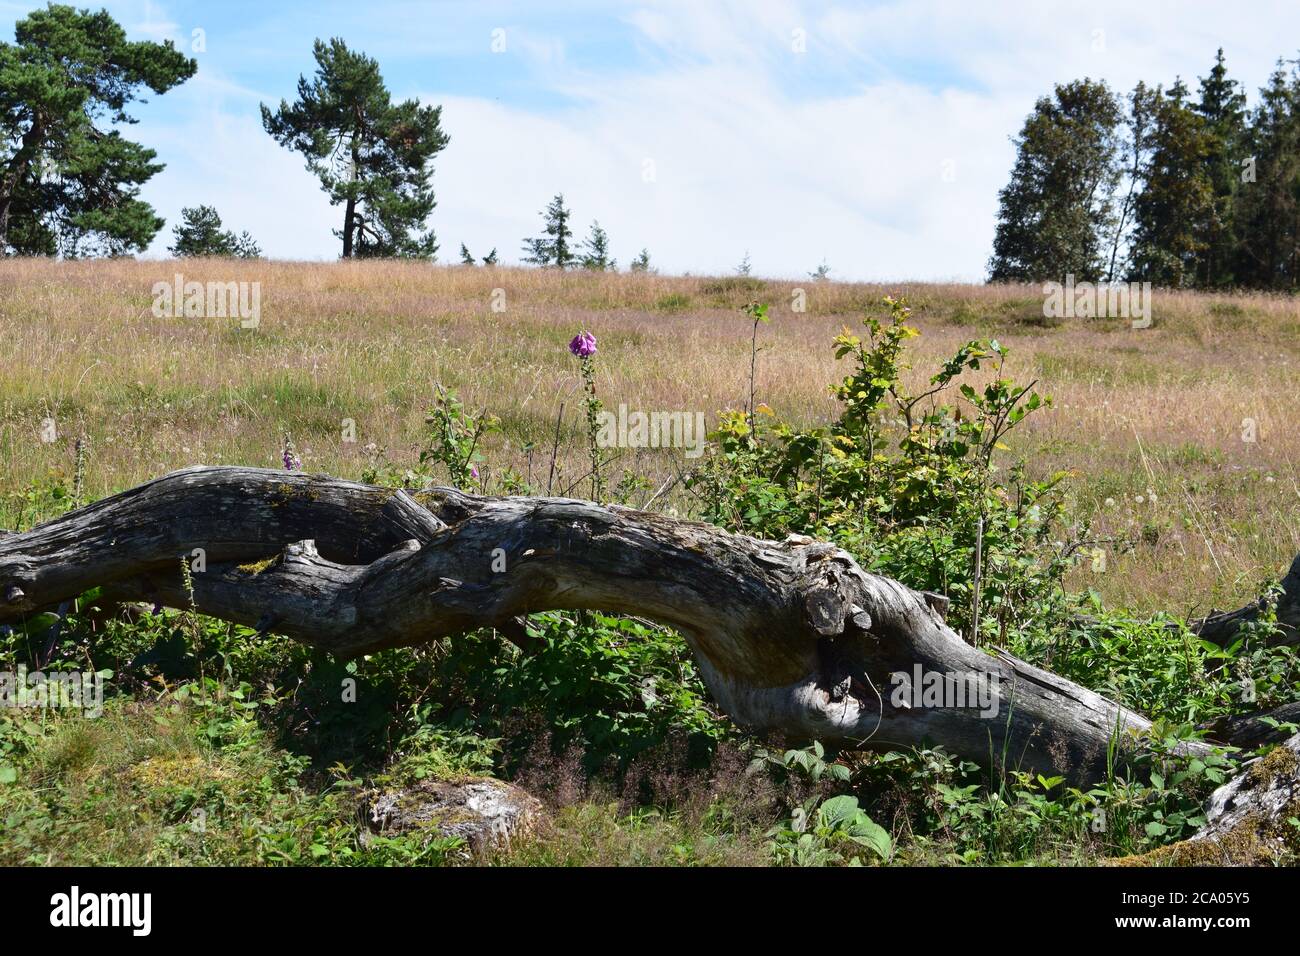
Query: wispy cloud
[874, 136]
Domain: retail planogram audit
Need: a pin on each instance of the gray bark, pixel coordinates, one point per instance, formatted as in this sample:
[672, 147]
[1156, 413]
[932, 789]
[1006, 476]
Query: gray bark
[1252, 811]
[1251, 731]
[792, 637]
[1222, 627]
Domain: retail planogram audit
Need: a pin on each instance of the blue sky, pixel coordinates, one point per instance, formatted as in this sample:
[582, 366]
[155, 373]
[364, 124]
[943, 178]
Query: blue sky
[873, 136]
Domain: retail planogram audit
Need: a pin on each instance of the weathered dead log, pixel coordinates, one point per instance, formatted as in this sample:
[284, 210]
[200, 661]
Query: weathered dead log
[1222, 627]
[790, 636]
[1250, 731]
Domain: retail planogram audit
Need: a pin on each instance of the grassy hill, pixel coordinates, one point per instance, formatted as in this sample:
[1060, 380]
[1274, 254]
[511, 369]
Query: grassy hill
[224, 746]
[1137, 410]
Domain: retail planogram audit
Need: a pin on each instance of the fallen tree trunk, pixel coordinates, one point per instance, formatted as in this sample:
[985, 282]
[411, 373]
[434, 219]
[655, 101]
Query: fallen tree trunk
[1251, 731]
[790, 636]
[1222, 627]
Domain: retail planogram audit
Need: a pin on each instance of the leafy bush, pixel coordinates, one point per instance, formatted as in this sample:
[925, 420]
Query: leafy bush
[902, 480]
[831, 831]
[1160, 668]
[610, 686]
[952, 811]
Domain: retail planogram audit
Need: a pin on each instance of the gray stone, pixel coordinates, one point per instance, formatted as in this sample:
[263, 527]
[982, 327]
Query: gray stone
[484, 812]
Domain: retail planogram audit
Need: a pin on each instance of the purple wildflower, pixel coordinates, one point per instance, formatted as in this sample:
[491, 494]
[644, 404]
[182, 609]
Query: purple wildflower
[290, 457]
[583, 345]
[473, 470]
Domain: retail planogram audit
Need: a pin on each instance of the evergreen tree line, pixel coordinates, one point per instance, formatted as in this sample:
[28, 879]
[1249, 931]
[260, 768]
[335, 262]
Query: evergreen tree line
[555, 247]
[70, 182]
[1181, 189]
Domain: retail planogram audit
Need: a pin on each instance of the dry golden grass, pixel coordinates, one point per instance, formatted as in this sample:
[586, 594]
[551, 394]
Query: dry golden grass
[1137, 411]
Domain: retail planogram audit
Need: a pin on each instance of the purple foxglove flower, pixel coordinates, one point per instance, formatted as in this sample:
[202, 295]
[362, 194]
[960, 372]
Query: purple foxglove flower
[583, 345]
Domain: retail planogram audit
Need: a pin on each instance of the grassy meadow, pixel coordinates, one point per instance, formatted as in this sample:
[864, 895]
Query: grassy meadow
[242, 733]
[1150, 422]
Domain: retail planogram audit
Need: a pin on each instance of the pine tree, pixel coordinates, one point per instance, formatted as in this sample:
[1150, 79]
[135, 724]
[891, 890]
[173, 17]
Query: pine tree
[554, 248]
[1267, 207]
[1223, 107]
[200, 234]
[68, 184]
[491, 258]
[1056, 215]
[744, 268]
[371, 155]
[1175, 207]
[245, 248]
[642, 262]
[596, 251]
[465, 258]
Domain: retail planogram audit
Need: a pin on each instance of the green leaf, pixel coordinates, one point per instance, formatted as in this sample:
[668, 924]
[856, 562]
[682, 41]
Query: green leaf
[838, 810]
[873, 835]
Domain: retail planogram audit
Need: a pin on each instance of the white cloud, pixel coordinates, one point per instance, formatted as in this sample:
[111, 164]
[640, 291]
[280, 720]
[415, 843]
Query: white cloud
[838, 153]
[855, 180]
[219, 155]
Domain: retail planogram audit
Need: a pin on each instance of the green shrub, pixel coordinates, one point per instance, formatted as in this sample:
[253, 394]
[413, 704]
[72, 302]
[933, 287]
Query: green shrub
[610, 686]
[903, 481]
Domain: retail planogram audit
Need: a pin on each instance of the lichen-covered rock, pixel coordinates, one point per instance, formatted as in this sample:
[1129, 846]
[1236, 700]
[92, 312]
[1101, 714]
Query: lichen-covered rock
[486, 813]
